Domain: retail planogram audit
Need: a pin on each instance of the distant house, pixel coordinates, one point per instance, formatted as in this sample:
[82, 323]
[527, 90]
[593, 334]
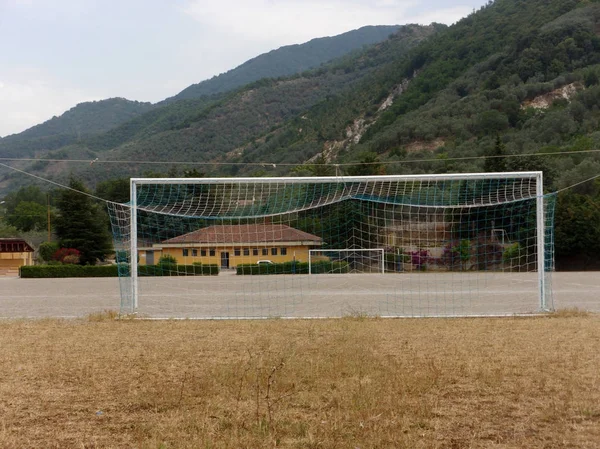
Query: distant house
[14, 253]
[232, 245]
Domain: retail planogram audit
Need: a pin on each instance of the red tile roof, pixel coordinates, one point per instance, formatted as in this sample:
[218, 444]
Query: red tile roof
[251, 233]
[14, 246]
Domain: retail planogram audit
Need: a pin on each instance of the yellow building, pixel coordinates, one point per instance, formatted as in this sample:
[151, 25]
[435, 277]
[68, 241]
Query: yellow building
[14, 253]
[232, 245]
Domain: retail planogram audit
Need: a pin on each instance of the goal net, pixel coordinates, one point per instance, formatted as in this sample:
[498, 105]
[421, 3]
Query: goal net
[442, 245]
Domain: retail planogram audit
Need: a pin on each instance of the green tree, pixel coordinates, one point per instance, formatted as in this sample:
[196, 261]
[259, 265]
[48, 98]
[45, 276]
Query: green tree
[47, 249]
[369, 164]
[495, 161]
[28, 216]
[8, 231]
[116, 190]
[319, 167]
[82, 224]
[32, 194]
[577, 232]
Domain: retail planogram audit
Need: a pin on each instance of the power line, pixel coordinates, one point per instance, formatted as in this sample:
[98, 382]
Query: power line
[578, 183]
[287, 164]
[113, 202]
[62, 186]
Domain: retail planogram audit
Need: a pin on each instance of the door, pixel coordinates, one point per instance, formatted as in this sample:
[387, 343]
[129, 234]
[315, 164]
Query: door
[224, 260]
[149, 257]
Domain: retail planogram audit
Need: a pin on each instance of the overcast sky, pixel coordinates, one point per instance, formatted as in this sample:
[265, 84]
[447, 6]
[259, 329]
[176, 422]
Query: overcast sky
[57, 53]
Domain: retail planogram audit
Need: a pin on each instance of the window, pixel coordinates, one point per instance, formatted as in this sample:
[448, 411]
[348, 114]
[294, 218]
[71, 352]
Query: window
[194, 253]
[273, 251]
[265, 252]
[237, 252]
[203, 252]
[212, 252]
[284, 251]
[255, 252]
[185, 252]
[246, 251]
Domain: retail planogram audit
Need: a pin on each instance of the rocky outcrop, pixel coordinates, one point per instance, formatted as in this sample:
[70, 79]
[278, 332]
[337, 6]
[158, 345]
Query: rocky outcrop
[544, 101]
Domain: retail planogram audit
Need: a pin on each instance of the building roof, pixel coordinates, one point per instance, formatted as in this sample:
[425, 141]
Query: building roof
[14, 246]
[251, 233]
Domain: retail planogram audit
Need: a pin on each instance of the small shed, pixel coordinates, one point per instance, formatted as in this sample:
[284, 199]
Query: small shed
[14, 253]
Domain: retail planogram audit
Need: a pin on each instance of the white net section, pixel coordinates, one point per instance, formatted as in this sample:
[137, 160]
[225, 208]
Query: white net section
[437, 245]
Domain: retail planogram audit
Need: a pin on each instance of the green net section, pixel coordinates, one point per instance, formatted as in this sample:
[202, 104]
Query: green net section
[332, 247]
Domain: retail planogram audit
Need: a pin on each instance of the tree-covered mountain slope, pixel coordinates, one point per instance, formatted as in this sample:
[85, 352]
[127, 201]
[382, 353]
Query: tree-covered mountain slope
[81, 121]
[208, 128]
[91, 118]
[288, 60]
[458, 90]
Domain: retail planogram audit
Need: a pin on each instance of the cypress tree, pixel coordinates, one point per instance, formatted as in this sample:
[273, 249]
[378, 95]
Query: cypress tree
[82, 224]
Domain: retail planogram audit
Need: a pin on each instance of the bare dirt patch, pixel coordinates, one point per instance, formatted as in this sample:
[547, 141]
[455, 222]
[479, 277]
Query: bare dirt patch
[421, 145]
[353, 382]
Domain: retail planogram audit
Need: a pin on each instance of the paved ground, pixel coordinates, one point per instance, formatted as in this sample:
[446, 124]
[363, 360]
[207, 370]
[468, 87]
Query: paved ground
[228, 295]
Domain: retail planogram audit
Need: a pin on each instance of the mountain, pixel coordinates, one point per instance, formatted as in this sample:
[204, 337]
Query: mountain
[211, 127]
[96, 117]
[83, 120]
[288, 60]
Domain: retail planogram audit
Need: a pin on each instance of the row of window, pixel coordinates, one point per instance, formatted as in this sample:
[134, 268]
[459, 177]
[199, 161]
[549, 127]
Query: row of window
[186, 252]
[236, 252]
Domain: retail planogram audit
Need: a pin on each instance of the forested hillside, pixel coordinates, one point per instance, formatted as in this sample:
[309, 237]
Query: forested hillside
[288, 60]
[462, 88]
[96, 117]
[212, 127]
[81, 121]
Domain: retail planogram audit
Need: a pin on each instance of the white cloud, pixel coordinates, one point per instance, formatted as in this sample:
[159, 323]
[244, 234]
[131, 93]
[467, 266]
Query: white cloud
[292, 21]
[447, 15]
[296, 21]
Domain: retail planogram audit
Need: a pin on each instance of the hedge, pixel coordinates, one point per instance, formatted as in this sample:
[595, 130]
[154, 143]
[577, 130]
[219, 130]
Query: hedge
[294, 268]
[178, 270]
[69, 271]
[95, 271]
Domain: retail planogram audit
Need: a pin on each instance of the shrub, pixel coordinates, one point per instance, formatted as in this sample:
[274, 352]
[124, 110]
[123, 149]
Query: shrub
[169, 269]
[121, 256]
[71, 259]
[511, 253]
[67, 255]
[47, 249]
[167, 259]
[293, 268]
[68, 271]
[71, 271]
[456, 254]
[488, 254]
[394, 261]
[419, 259]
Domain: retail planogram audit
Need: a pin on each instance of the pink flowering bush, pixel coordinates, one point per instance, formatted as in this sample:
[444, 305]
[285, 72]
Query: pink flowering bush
[67, 256]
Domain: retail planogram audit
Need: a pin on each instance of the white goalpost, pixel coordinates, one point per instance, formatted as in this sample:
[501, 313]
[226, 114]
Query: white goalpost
[465, 244]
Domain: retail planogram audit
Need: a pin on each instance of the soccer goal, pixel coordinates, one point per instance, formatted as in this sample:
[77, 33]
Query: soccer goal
[418, 245]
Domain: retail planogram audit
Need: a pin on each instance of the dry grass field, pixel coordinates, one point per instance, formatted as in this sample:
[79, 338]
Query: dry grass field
[349, 383]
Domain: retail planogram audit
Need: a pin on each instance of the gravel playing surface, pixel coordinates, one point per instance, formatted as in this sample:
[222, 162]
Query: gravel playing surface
[228, 295]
